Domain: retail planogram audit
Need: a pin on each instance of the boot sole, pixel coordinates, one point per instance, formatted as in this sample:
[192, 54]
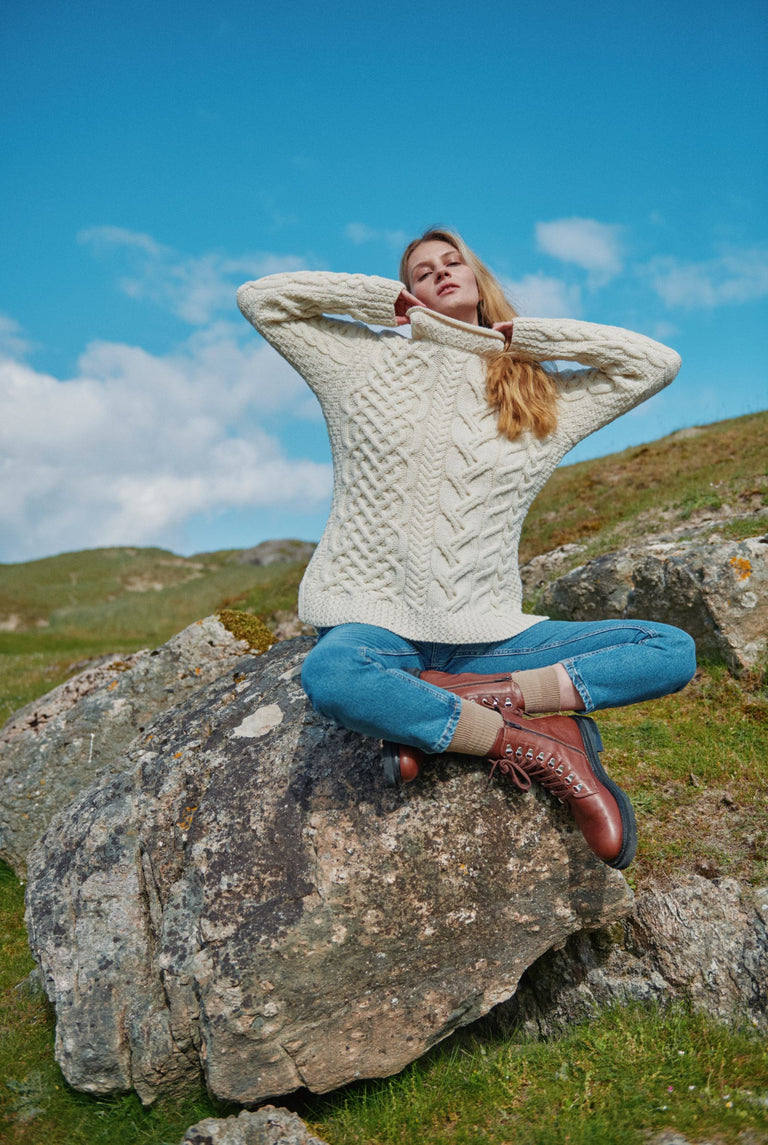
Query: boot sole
[593, 745]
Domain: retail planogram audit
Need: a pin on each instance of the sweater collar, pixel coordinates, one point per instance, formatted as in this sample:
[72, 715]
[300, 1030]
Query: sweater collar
[429, 326]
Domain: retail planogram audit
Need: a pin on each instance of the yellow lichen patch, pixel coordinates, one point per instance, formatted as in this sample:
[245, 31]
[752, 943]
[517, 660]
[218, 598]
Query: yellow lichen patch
[245, 626]
[742, 567]
[186, 821]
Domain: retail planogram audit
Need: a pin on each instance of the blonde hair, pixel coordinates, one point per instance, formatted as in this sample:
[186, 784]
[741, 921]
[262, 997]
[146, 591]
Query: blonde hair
[522, 392]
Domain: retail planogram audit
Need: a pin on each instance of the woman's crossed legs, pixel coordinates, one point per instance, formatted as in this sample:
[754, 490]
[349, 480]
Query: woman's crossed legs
[366, 678]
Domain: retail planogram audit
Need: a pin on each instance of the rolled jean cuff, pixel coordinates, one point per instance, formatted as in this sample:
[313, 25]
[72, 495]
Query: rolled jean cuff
[579, 685]
[450, 728]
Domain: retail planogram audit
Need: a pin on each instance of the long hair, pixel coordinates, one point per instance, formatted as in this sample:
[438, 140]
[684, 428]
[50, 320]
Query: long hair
[522, 392]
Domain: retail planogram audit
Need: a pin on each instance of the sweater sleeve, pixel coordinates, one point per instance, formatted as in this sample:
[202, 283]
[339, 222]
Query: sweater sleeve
[289, 311]
[623, 369]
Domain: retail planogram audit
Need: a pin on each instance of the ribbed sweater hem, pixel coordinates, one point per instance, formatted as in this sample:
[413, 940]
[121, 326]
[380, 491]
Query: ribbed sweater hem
[465, 627]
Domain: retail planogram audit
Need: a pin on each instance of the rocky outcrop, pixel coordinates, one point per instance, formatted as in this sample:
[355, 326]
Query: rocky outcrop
[705, 942]
[55, 747]
[246, 898]
[277, 552]
[717, 592]
[267, 1126]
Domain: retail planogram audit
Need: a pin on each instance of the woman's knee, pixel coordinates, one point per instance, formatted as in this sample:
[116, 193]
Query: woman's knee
[681, 656]
[328, 675]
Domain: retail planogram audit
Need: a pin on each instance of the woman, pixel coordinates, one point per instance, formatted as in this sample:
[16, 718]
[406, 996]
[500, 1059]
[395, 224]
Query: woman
[440, 443]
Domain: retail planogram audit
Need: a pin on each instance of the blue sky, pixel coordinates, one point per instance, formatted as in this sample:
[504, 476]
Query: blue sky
[608, 161]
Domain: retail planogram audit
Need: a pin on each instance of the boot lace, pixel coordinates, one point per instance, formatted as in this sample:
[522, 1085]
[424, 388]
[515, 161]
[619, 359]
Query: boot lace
[524, 764]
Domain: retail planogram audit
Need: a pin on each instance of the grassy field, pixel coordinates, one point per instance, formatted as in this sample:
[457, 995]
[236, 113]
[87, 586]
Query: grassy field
[674, 481]
[695, 764]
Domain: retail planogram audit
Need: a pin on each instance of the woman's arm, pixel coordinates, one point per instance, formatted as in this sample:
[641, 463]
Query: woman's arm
[624, 368]
[289, 311]
[284, 307]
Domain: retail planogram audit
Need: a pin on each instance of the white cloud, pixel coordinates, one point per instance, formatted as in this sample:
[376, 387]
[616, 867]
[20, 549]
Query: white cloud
[541, 296]
[195, 289]
[737, 276]
[360, 233]
[664, 331]
[135, 444]
[12, 340]
[594, 246]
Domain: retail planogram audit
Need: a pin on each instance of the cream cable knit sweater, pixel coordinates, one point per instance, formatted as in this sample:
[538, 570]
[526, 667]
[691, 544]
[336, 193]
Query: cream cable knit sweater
[428, 498]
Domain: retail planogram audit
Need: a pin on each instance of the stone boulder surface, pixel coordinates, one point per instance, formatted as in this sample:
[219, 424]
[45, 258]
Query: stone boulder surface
[247, 899]
[53, 748]
[717, 592]
[702, 941]
[267, 1126]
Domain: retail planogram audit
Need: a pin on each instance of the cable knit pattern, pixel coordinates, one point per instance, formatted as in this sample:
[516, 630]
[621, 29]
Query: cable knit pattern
[429, 499]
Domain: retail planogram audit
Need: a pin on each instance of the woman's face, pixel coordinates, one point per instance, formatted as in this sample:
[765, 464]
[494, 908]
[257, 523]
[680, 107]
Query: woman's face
[442, 281]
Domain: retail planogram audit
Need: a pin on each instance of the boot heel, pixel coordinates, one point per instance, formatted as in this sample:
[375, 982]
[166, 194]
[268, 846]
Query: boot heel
[390, 758]
[401, 764]
[590, 731]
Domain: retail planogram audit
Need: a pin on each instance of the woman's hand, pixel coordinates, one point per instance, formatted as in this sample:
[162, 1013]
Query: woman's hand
[404, 303]
[505, 328]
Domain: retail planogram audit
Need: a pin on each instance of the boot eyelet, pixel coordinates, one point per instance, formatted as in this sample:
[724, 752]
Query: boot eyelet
[519, 753]
[540, 757]
[529, 754]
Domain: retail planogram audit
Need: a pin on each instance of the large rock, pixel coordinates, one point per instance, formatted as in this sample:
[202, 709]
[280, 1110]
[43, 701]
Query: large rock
[247, 898]
[704, 942]
[717, 592]
[267, 1126]
[54, 747]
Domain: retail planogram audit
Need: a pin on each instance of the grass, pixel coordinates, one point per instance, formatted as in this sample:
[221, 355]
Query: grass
[664, 483]
[696, 767]
[610, 1080]
[695, 764]
[78, 606]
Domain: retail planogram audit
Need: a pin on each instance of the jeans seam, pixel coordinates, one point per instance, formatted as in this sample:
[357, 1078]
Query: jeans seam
[645, 630]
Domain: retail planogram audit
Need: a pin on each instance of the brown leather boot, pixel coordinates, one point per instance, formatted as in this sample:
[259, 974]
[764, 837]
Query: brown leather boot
[402, 763]
[562, 753]
[497, 691]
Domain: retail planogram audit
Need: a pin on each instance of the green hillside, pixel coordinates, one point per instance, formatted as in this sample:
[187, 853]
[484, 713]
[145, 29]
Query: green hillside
[695, 765]
[59, 611]
[676, 480]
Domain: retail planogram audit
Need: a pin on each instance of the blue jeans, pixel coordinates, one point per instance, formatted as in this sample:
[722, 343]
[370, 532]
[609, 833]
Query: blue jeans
[365, 677]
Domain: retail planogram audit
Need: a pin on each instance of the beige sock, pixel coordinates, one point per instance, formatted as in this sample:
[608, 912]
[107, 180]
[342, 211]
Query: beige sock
[540, 688]
[476, 730]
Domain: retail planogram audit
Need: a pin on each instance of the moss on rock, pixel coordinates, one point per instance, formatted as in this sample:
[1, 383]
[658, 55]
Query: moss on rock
[245, 626]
